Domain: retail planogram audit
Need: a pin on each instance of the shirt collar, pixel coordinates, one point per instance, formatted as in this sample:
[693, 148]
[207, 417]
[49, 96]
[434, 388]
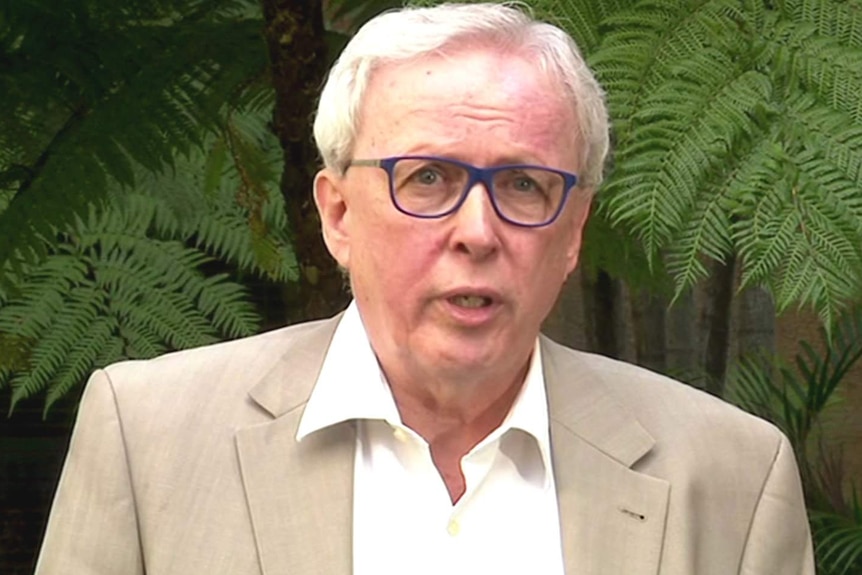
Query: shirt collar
[529, 412]
[351, 386]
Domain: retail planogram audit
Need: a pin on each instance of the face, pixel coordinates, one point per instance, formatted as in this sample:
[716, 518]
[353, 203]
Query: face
[460, 297]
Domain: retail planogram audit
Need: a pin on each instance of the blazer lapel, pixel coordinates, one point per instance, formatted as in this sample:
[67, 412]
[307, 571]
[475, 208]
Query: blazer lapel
[300, 494]
[612, 518]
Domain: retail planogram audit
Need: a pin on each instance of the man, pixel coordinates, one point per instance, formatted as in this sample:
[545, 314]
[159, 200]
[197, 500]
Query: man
[430, 429]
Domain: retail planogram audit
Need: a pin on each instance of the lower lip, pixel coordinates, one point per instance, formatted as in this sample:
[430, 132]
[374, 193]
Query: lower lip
[471, 316]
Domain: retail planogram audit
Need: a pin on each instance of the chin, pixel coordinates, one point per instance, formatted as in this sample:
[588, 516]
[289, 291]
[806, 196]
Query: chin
[465, 357]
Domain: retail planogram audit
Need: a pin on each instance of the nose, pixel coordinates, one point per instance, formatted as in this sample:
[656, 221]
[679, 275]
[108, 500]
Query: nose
[476, 224]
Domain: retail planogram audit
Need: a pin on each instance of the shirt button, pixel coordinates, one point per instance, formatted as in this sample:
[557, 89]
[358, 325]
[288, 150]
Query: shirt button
[401, 435]
[454, 528]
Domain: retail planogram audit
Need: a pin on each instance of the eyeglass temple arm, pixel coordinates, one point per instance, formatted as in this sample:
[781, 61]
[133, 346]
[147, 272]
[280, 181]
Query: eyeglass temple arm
[369, 163]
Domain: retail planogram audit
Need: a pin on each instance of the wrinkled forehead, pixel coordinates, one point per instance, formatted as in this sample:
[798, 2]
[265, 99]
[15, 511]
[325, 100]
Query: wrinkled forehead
[458, 49]
[486, 75]
[456, 55]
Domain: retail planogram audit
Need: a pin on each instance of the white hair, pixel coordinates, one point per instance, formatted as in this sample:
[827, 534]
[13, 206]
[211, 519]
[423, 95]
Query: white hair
[411, 33]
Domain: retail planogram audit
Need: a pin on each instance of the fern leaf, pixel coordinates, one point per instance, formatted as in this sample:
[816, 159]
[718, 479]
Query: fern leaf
[81, 360]
[126, 111]
[706, 232]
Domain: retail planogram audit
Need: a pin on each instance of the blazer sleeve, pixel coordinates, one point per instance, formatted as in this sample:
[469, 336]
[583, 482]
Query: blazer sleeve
[779, 539]
[93, 526]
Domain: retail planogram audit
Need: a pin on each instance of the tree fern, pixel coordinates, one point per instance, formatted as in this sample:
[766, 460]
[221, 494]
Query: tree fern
[147, 272]
[705, 232]
[121, 86]
[737, 127]
[583, 20]
[111, 287]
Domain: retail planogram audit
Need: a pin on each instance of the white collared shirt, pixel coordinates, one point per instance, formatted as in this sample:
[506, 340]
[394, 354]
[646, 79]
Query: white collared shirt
[507, 521]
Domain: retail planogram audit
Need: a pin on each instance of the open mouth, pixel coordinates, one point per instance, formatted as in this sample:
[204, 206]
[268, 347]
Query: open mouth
[471, 301]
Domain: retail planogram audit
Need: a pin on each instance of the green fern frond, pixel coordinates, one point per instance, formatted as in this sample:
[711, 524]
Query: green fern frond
[822, 64]
[134, 340]
[129, 93]
[578, 18]
[805, 253]
[707, 232]
[42, 296]
[581, 19]
[738, 128]
[834, 146]
[69, 327]
[80, 361]
[764, 236]
[839, 20]
[224, 304]
[706, 132]
[206, 215]
[643, 45]
[802, 236]
[112, 292]
[256, 97]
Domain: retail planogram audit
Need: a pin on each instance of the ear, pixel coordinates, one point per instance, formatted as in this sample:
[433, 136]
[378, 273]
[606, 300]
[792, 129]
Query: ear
[576, 234]
[334, 217]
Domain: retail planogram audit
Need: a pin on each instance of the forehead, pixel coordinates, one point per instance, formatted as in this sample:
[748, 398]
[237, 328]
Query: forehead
[448, 101]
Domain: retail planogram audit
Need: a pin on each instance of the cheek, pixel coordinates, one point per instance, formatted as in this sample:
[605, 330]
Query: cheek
[391, 256]
[547, 269]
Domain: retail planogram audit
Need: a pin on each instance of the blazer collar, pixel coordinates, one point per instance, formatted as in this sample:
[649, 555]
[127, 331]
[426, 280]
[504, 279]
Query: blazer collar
[578, 399]
[580, 402]
[288, 383]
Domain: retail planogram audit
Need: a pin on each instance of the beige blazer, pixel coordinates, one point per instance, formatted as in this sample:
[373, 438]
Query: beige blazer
[188, 464]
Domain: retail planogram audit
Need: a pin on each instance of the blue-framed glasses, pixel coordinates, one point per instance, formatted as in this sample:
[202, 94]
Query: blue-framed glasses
[434, 187]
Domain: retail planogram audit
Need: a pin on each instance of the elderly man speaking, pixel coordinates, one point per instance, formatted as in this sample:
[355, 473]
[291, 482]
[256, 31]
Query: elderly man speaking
[429, 428]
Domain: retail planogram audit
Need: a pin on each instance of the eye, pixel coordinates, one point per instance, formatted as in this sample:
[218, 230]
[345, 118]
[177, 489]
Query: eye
[524, 183]
[521, 182]
[427, 176]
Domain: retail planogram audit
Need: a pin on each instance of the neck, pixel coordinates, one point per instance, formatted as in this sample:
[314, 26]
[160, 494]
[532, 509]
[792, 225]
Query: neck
[433, 409]
[453, 418]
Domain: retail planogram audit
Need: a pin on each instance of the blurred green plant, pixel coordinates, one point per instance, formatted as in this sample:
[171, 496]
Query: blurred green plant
[138, 183]
[92, 91]
[803, 399]
[156, 270]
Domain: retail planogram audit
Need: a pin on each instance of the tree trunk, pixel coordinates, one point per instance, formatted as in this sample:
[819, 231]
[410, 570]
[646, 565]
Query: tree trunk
[683, 344]
[592, 315]
[607, 312]
[565, 324]
[649, 324]
[295, 38]
[756, 331]
[720, 298]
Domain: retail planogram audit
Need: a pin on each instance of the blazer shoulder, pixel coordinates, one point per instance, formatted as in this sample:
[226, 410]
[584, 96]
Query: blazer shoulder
[215, 384]
[664, 406]
[249, 356]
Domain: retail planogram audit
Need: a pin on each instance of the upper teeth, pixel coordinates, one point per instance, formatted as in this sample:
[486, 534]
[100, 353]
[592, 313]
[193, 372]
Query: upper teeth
[470, 300]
